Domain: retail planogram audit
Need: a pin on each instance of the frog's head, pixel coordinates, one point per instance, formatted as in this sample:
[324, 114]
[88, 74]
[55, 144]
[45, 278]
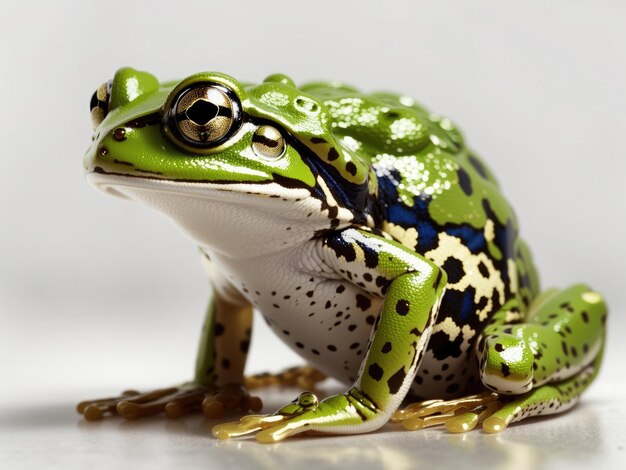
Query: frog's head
[224, 158]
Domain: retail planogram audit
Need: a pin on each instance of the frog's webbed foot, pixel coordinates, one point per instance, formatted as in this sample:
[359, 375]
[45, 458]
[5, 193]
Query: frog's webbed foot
[305, 377]
[459, 415]
[287, 421]
[175, 402]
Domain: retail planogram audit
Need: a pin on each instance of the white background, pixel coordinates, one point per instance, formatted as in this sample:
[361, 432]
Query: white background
[97, 295]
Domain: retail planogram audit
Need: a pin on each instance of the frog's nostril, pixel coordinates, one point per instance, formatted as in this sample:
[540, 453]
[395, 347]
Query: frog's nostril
[201, 112]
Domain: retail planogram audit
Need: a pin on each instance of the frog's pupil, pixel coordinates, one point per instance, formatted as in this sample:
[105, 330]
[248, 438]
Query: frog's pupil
[202, 111]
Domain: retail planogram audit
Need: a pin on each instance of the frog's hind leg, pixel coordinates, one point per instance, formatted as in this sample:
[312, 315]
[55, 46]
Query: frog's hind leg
[538, 367]
[549, 360]
[547, 399]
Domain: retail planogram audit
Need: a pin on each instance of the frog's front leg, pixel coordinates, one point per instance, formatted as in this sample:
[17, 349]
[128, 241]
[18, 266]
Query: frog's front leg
[411, 288]
[218, 384]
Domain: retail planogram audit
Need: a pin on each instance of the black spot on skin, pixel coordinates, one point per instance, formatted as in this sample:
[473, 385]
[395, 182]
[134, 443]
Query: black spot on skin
[351, 168]
[299, 345]
[584, 316]
[219, 329]
[454, 269]
[585, 348]
[340, 289]
[442, 347]
[483, 270]
[225, 364]
[368, 277]
[315, 351]
[464, 181]
[419, 380]
[415, 332]
[564, 347]
[345, 249]
[386, 348]
[370, 319]
[383, 283]
[318, 140]
[452, 388]
[574, 351]
[498, 347]
[309, 293]
[478, 166]
[332, 154]
[402, 307]
[244, 346]
[396, 380]
[438, 280]
[375, 372]
[505, 369]
[354, 345]
[363, 302]
[328, 304]
[338, 314]
[352, 327]
[331, 347]
[437, 377]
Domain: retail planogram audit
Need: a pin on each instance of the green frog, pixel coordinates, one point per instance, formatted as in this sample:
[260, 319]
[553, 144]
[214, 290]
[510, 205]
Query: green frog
[371, 239]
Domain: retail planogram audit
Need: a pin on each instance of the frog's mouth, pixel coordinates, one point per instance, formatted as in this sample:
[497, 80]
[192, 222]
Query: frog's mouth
[129, 186]
[237, 219]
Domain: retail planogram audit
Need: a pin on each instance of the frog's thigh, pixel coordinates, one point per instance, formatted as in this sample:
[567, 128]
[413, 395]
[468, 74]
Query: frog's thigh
[556, 353]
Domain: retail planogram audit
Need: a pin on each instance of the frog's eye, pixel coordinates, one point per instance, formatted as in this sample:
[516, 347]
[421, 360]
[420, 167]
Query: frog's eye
[100, 103]
[267, 142]
[204, 115]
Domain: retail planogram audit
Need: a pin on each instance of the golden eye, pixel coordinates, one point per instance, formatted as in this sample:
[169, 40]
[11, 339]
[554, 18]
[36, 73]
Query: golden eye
[267, 142]
[100, 104]
[205, 115]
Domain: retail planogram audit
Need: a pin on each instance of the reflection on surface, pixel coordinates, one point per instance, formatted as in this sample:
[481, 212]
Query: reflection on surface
[571, 440]
[520, 448]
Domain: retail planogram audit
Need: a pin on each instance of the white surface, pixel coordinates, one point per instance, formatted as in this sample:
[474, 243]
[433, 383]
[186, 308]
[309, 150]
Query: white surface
[97, 295]
[46, 431]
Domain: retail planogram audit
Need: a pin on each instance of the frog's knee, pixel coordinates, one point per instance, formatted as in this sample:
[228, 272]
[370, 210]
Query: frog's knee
[506, 364]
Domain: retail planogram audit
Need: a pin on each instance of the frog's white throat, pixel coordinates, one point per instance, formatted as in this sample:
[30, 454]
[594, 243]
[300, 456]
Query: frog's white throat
[239, 220]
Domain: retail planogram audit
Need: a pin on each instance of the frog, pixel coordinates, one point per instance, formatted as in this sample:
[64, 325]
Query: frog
[373, 241]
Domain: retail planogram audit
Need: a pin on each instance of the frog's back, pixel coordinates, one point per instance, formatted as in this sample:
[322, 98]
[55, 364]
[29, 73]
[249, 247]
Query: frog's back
[440, 200]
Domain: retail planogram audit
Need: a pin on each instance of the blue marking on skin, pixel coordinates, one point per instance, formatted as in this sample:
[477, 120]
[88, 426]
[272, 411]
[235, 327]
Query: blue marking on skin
[468, 306]
[472, 238]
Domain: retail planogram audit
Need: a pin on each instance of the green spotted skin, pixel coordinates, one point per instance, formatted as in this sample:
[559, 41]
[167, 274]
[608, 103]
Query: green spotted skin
[372, 240]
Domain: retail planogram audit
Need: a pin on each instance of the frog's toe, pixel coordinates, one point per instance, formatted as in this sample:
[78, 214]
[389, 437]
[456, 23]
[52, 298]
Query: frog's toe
[174, 402]
[459, 415]
[228, 398]
[305, 377]
[273, 427]
[130, 401]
